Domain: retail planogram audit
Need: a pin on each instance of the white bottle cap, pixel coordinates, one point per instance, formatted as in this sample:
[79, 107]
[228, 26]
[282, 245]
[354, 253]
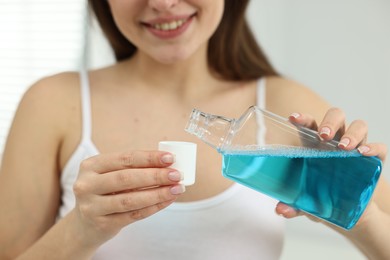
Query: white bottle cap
[185, 158]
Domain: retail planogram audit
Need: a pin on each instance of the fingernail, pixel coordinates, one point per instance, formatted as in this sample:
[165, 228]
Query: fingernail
[363, 149]
[325, 131]
[178, 189]
[168, 158]
[344, 142]
[175, 176]
[295, 115]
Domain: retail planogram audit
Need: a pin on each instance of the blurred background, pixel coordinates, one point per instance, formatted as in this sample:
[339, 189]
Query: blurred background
[340, 49]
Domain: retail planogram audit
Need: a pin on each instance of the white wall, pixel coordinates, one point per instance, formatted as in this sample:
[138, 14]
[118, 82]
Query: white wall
[340, 49]
[38, 38]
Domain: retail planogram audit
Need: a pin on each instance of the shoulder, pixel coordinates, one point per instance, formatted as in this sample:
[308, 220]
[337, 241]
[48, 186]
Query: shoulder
[51, 99]
[53, 86]
[285, 96]
[54, 90]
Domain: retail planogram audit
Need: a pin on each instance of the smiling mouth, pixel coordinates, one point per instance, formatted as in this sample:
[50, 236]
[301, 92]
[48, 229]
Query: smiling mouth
[169, 25]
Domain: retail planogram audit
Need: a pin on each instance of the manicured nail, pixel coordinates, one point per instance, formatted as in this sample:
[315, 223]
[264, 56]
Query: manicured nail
[168, 158]
[175, 176]
[363, 149]
[325, 131]
[344, 142]
[178, 189]
[295, 115]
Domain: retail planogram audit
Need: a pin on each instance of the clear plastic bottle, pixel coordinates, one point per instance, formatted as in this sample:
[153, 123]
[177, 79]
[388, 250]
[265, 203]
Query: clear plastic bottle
[290, 163]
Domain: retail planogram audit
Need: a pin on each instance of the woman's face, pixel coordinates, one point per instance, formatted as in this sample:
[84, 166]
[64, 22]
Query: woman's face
[167, 30]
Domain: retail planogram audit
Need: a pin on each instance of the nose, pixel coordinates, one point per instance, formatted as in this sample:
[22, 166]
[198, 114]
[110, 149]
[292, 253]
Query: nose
[162, 5]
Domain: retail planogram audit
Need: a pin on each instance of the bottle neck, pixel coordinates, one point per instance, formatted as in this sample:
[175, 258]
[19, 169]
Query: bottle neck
[212, 129]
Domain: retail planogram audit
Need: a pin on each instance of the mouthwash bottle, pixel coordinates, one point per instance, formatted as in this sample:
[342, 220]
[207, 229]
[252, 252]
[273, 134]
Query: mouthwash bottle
[290, 163]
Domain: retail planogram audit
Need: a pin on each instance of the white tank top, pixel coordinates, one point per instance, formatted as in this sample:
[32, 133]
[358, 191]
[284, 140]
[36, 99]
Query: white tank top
[238, 223]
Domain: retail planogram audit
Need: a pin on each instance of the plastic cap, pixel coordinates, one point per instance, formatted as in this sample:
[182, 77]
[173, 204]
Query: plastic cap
[185, 158]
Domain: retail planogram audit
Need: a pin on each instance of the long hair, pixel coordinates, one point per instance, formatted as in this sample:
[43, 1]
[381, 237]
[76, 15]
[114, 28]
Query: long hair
[233, 52]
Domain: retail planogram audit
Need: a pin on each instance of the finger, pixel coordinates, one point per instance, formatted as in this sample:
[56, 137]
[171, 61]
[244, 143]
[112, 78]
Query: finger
[135, 200]
[333, 123]
[289, 212]
[123, 219]
[130, 179]
[286, 211]
[356, 134]
[303, 120]
[374, 149]
[134, 159]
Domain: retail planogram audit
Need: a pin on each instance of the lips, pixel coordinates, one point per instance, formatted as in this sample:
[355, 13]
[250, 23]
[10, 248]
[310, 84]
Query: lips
[168, 27]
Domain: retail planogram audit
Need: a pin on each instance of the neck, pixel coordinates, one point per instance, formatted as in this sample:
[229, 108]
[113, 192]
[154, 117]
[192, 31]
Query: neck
[186, 77]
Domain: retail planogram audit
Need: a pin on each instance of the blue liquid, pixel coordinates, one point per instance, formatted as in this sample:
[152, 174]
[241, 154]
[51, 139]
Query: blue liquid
[335, 186]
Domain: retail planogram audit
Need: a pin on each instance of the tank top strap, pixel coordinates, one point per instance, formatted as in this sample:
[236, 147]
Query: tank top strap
[261, 93]
[85, 105]
[260, 103]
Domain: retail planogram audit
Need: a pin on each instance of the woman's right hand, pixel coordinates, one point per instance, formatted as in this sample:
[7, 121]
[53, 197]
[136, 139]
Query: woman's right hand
[115, 190]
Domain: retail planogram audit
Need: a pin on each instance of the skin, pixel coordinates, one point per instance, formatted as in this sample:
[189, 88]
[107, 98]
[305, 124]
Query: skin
[131, 112]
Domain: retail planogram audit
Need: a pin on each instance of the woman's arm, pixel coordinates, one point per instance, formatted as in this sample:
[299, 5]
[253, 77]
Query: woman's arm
[29, 177]
[372, 233]
[111, 190]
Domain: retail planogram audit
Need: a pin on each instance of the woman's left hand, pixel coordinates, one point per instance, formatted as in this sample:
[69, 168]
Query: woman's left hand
[331, 127]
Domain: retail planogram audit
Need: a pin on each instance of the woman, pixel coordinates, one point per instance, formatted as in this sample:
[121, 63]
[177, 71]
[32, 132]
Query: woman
[90, 179]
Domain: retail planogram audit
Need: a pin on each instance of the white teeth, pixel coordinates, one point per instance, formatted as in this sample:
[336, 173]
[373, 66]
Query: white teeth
[169, 26]
[165, 26]
[173, 25]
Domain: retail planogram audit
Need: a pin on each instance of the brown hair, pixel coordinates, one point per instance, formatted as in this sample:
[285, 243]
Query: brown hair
[233, 52]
